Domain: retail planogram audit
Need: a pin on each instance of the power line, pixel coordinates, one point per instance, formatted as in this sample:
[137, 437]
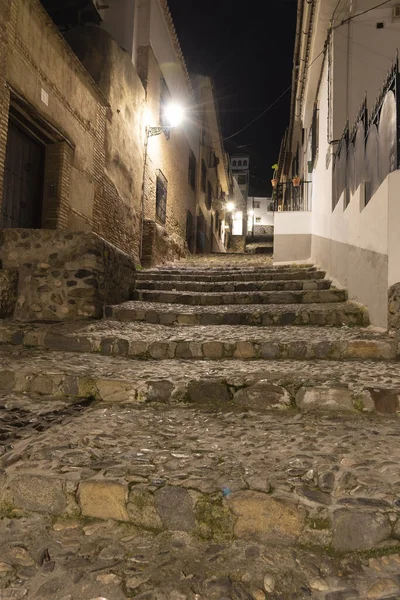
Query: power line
[310, 65]
[364, 12]
[273, 103]
[260, 115]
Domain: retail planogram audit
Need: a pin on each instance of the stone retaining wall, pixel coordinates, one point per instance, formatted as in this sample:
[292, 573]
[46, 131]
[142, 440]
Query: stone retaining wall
[64, 275]
[237, 243]
[8, 292]
[158, 246]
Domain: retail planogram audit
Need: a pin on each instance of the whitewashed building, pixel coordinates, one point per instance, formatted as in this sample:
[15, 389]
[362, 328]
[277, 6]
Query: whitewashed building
[342, 143]
[260, 215]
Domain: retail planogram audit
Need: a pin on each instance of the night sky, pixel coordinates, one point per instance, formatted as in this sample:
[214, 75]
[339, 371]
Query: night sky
[248, 54]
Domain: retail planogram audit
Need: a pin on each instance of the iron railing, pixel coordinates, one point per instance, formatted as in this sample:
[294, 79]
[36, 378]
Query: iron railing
[289, 197]
[370, 150]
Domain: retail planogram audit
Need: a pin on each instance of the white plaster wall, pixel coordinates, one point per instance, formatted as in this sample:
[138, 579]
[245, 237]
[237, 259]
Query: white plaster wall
[362, 57]
[292, 223]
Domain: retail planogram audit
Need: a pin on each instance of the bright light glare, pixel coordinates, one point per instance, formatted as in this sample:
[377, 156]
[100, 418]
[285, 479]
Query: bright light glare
[230, 207]
[251, 213]
[174, 115]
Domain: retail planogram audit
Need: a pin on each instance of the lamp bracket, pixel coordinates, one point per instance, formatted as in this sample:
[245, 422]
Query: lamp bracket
[151, 131]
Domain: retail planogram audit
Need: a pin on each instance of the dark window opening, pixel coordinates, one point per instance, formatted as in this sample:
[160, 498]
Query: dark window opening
[203, 176]
[242, 179]
[209, 196]
[161, 197]
[239, 163]
[192, 170]
[165, 98]
[314, 135]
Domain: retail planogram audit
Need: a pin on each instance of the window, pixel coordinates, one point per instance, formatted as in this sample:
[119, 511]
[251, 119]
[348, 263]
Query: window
[256, 205]
[242, 179]
[165, 97]
[245, 163]
[161, 197]
[239, 163]
[209, 196]
[314, 135]
[258, 220]
[192, 170]
[234, 163]
[203, 176]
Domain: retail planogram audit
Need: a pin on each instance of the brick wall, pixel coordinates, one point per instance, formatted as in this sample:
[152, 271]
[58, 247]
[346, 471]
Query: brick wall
[92, 130]
[169, 154]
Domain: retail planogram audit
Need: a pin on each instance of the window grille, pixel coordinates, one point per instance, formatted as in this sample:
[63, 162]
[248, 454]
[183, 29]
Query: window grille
[161, 197]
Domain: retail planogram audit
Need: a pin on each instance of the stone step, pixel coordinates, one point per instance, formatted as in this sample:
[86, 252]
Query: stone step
[256, 472]
[230, 276]
[224, 286]
[310, 385]
[202, 270]
[146, 341]
[242, 298]
[345, 313]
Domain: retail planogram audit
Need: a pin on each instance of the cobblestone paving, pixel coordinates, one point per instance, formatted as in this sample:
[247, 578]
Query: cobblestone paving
[199, 486]
[187, 479]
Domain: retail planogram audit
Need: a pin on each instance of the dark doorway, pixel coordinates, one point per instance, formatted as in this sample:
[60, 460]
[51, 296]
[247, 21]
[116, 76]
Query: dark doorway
[23, 181]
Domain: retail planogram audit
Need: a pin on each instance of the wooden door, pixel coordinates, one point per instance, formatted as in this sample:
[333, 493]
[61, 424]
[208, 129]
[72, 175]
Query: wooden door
[23, 181]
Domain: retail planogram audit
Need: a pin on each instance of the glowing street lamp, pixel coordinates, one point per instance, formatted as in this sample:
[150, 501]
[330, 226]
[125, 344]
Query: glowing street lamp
[230, 207]
[173, 114]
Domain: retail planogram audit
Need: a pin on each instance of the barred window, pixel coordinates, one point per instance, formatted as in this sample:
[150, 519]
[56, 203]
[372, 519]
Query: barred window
[165, 98]
[203, 176]
[161, 197]
[314, 135]
[192, 169]
[209, 196]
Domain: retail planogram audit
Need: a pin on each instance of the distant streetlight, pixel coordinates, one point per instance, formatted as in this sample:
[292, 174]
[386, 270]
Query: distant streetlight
[230, 207]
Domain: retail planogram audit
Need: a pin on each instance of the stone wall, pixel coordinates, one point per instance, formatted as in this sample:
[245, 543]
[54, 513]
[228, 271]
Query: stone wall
[237, 243]
[117, 213]
[65, 275]
[169, 154]
[158, 246]
[93, 137]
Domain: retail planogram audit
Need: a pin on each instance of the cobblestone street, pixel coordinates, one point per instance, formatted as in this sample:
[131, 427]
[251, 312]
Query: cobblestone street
[200, 462]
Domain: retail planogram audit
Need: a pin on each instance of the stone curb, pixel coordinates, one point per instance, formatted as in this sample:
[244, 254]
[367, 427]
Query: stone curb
[222, 516]
[258, 393]
[224, 286]
[242, 298]
[347, 313]
[219, 276]
[353, 349]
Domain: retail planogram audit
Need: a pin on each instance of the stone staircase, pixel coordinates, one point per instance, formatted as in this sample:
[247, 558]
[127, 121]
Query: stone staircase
[229, 434]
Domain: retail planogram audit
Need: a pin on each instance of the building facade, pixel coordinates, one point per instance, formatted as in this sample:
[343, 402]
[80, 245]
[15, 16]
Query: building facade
[342, 142]
[260, 215]
[82, 86]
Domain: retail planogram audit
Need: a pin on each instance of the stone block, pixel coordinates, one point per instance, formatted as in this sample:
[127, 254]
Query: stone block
[8, 292]
[213, 350]
[325, 398]
[175, 507]
[103, 500]
[142, 510]
[38, 494]
[260, 516]
[115, 390]
[263, 395]
[358, 530]
[245, 350]
[208, 391]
